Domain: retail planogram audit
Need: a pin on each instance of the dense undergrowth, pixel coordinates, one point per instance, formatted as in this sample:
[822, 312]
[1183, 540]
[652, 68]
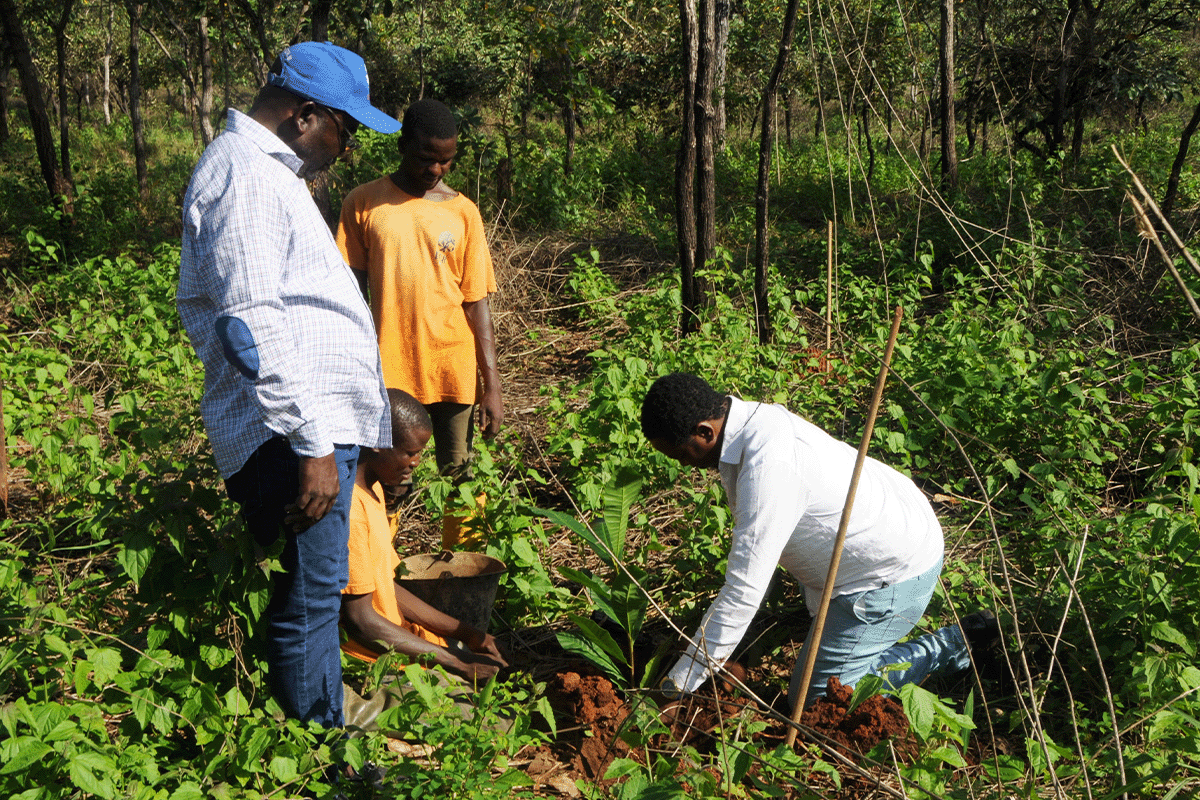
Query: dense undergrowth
[1053, 416]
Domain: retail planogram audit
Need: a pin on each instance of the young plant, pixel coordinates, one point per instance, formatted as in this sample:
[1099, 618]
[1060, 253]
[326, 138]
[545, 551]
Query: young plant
[621, 598]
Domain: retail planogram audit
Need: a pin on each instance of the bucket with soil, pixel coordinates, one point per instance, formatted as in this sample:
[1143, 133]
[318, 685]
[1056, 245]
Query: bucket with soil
[459, 583]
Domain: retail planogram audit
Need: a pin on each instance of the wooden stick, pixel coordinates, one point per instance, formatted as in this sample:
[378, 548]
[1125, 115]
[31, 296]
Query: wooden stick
[3, 459]
[829, 289]
[1150, 233]
[810, 660]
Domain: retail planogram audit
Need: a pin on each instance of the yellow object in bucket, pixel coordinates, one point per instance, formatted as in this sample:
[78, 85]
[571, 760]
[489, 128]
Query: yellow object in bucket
[465, 530]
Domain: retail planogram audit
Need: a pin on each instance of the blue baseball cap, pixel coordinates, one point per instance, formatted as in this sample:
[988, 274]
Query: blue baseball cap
[332, 76]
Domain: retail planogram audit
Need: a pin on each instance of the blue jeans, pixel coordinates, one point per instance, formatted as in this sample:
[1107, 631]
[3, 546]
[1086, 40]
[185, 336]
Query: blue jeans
[303, 646]
[861, 635]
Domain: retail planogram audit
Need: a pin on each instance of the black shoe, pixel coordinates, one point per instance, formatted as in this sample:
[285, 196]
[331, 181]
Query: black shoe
[981, 629]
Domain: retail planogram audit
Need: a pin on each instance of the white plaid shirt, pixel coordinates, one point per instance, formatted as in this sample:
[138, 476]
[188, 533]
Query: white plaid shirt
[256, 248]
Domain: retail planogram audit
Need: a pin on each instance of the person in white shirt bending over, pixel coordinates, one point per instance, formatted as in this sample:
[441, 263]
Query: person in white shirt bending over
[786, 481]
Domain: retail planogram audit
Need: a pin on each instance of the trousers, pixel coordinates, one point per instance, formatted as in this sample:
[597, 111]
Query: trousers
[862, 633]
[301, 618]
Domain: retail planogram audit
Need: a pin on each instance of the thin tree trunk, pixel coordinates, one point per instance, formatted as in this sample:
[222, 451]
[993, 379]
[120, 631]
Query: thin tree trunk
[135, 99]
[206, 83]
[720, 56]
[762, 194]
[39, 119]
[5, 69]
[320, 20]
[946, 98]
[706, 174]
[64, 122]
[685, 172]
[106, 95]
[1185, 140]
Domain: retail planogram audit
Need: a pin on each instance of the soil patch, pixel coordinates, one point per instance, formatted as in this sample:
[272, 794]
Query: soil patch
[593, 713]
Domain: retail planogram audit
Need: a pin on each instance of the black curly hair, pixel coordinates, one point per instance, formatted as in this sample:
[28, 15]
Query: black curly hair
[407, 415]
[676, 404]
[430, 118]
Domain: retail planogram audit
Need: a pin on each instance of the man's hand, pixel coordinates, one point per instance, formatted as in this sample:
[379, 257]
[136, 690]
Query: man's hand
[490, 648]
[478, 669]
[319, 487]
[491, 412]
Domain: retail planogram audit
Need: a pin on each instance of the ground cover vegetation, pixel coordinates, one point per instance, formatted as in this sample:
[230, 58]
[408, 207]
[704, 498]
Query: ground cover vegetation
[1043, 393]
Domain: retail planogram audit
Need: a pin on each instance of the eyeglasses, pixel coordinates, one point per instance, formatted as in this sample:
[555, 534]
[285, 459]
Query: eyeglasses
[345, 136]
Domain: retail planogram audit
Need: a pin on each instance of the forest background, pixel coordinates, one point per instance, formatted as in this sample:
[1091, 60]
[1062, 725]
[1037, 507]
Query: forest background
[965, 163]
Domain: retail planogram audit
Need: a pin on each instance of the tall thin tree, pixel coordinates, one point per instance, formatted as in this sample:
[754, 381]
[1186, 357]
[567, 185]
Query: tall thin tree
[946, 98]
[39, 119]
[762, 194]
[685, 172]
[135, 9]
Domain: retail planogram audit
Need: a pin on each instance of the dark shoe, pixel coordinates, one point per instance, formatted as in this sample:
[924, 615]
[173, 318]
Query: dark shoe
[981, 629]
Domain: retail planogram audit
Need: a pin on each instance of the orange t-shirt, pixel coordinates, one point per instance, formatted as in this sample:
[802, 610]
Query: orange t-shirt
[373, 563]
[423, 260]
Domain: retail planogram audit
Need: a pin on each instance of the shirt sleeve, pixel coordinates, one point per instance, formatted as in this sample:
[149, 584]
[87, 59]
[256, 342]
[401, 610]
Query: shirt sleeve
[248, 240]
[350, 238]
[362, 571]
[770, 503]
[479, 277]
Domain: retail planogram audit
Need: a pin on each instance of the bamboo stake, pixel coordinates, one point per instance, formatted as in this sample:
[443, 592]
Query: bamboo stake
[3, 459]
[810, 660]
[829, 289]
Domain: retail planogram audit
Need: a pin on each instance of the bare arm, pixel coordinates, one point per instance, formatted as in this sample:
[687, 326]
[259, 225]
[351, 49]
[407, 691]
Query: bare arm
[367, 627]
[491, 407]
[428, 617]
[363, 283]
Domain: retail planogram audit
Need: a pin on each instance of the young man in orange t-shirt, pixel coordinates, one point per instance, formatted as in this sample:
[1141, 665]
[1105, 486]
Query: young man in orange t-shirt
[379, 615]
[419, 251]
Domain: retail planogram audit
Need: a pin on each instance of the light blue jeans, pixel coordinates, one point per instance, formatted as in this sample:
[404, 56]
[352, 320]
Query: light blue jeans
[861, 635]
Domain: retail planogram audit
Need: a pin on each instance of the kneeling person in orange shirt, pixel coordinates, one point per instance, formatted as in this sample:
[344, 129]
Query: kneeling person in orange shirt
[378, 615]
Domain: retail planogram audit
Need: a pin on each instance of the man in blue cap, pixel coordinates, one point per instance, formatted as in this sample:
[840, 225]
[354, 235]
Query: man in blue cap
[292, 378]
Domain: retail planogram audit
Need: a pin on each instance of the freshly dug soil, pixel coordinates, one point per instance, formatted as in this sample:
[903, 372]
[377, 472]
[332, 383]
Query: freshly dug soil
[855, 733]
[587, 704]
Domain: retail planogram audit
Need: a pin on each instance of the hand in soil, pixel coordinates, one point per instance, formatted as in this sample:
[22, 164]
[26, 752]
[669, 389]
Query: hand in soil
[478, 669]
[490, 648]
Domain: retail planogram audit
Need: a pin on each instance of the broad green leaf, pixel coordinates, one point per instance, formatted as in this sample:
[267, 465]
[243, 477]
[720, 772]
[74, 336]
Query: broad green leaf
[283, 768]
[919, 708]
[580, 645]
[618, 500]
[134, 554]
[600, 636]
[19, 752]
[89, 771]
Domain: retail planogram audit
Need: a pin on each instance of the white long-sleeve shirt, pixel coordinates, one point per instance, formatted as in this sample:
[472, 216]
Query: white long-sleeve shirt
[786, 480]
[255, 248]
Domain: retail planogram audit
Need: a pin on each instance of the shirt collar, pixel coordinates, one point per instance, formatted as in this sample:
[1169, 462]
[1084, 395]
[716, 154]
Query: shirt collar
[245, 125]
[734, 436]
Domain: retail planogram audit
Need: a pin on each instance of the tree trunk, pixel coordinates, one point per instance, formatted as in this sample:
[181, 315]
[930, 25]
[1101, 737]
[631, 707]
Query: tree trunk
[320, 20]
[39, 120]
[206, 83]
[106, 93]
[706, 173]
[720, 57]
[762, 194]
[64, 123]
[568, 116]
[685, 172]
[946, 99]
[135, 99]
[1185, 140]
[5, 68]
